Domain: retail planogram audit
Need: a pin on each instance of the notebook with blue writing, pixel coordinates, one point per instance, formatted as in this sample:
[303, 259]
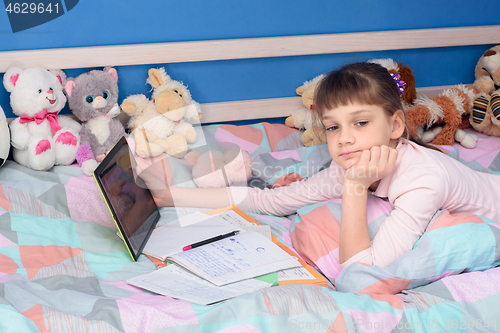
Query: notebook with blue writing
[236, 258]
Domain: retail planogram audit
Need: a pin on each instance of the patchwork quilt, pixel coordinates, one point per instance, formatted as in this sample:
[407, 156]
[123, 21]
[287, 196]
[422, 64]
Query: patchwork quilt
[63, 269]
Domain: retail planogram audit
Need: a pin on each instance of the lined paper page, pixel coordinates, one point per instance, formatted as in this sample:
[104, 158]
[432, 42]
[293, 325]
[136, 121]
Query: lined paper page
[236, 258]
[297, 273]
[193, 218]
[172, 238]
[236, 219]
[176, 282]
[264, 230]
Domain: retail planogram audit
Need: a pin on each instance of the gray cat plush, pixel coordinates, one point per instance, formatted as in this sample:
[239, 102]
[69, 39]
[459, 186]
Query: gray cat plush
[93, 99]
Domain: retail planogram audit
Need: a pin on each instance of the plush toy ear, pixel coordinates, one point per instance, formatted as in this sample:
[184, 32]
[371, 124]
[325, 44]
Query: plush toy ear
[155, 77]
[300, 90]
[111, 71]
[410, 92]
[10, 78]
[70, 85]
[61, 76]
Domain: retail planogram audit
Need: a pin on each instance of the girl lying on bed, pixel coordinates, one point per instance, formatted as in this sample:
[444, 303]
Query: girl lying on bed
[360, 109]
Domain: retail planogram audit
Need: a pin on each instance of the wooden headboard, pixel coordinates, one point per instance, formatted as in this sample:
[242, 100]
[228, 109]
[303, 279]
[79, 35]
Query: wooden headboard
[159, 53]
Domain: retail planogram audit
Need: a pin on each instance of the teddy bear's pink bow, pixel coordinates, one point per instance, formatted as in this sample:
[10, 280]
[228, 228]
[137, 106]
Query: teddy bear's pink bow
[41, 116]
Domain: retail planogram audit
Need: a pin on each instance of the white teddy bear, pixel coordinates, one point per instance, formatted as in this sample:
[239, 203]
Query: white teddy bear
[40, 138]
[4, 138]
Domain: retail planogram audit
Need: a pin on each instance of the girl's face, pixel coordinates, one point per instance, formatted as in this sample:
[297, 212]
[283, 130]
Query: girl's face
[356, 127]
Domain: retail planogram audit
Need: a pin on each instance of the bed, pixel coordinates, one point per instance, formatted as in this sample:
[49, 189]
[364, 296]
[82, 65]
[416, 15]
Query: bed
[63, 269]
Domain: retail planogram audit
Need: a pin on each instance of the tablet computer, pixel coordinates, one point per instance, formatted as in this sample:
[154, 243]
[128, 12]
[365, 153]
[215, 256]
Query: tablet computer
[129, 200]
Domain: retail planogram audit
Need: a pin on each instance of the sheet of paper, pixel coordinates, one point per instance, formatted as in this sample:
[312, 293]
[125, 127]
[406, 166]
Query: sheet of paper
[235, 219]
[193, 218]
[171, 238]
[297, 273]
[264, 230]
[236, 258]
[176, 282]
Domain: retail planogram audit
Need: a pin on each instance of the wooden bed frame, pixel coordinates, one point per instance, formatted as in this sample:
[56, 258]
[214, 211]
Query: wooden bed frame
[159, 53]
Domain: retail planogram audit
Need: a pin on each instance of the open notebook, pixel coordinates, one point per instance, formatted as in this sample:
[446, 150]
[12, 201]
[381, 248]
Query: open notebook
[180, 283]
[220, 270]
[236, 258]
[242, 256]
[172, 237]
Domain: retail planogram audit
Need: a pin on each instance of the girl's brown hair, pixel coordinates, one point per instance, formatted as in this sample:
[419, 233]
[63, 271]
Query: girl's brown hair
[363, 83]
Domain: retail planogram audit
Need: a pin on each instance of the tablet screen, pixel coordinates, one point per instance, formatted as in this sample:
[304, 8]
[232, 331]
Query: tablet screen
[127, 197]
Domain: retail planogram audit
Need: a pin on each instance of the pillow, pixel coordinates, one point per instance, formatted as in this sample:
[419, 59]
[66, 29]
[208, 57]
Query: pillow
[451, 244]
[315, 232]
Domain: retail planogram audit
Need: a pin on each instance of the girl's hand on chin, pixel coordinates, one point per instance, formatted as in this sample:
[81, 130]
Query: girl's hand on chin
[373, 165]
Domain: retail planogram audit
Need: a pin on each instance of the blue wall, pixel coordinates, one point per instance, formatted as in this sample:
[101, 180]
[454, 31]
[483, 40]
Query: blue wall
[113, 22]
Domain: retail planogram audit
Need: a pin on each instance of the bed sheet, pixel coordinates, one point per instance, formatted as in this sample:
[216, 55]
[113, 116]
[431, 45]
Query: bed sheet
[63, 269]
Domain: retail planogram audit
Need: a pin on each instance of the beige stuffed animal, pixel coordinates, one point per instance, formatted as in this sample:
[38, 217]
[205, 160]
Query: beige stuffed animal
[162, 124]
[303, 117]
[485, 115]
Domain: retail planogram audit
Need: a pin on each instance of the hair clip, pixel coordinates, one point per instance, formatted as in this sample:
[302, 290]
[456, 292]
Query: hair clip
[401, 84]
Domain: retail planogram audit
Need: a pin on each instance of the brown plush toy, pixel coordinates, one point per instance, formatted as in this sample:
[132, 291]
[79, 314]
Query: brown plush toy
[303, 117]
[485, 115]
[405, 74]
[437, 119]
[444, 116]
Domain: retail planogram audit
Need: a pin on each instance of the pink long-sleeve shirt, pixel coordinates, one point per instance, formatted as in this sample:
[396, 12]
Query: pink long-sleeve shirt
[422, 182]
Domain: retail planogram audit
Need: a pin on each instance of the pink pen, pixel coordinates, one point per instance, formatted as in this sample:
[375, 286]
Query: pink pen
[210, 240]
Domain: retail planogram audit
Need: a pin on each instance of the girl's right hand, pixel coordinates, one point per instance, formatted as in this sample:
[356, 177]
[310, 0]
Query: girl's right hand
[160, 191]
[163, 198]
[373, 165]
